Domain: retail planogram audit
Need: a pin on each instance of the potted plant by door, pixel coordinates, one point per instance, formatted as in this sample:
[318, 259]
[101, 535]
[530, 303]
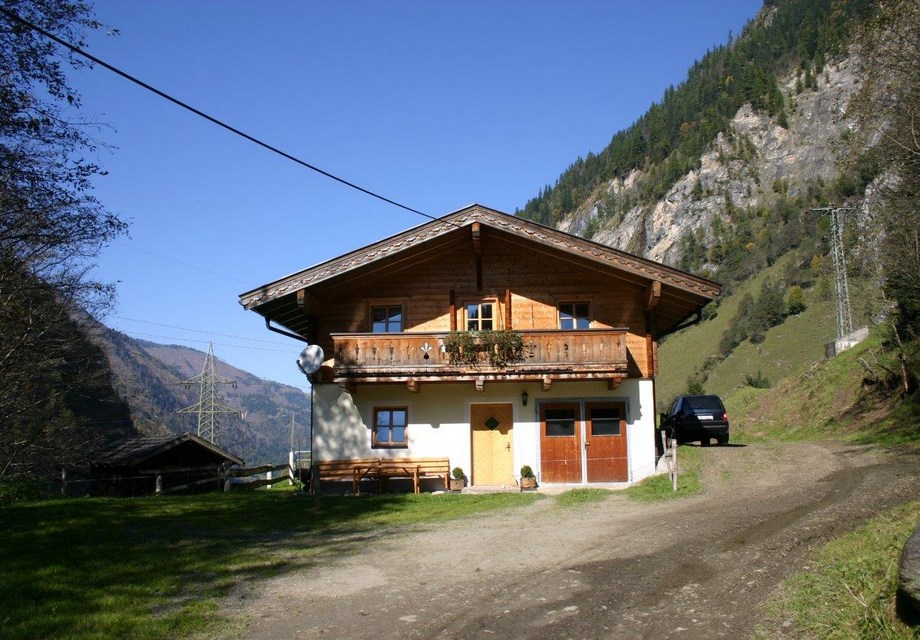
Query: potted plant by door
[458, 481]
[528, 479]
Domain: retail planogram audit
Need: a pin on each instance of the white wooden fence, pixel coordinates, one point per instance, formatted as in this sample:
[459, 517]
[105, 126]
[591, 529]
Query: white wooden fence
[221, 476]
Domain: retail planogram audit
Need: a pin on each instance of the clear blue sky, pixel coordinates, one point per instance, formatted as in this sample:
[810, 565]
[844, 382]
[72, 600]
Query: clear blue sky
[434, 104]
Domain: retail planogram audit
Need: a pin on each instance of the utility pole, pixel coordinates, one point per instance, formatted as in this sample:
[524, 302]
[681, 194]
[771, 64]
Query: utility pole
[841, 285]
[207, 406]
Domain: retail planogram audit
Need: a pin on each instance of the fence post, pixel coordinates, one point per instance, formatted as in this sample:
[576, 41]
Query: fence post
[674, 461]
[268, 476]
[159, 488]
[63, 482]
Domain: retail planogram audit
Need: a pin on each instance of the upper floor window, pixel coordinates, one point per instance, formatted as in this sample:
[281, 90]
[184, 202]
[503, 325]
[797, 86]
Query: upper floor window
[390, 427]
[387, 319]
[480, 316]
[574, 315]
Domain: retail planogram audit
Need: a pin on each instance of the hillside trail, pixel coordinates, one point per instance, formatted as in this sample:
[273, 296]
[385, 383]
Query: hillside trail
[696, 567]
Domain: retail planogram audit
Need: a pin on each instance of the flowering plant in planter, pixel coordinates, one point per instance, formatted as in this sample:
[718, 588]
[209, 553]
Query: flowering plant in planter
[500, 348]
[461, 347]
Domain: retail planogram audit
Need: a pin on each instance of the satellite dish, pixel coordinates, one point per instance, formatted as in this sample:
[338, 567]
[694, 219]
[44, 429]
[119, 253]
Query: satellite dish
[310, 359]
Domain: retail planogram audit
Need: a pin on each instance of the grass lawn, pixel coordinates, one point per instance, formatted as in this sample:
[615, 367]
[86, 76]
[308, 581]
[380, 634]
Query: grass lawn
[660, 487]
[848, 590]
[577, 497]
[156, 567]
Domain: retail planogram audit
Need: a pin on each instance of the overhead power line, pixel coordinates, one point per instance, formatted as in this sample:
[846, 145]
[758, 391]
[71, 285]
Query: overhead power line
[175, 339]
[185, 264]
[210, 333]
[127, 76]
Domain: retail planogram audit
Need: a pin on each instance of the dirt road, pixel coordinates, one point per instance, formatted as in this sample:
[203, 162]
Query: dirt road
[698, 567]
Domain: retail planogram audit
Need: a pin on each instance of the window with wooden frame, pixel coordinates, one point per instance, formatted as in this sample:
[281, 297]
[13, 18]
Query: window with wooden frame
[560, 422]
[391, 426]
[387, 318]
[482, 316]
[575, 315]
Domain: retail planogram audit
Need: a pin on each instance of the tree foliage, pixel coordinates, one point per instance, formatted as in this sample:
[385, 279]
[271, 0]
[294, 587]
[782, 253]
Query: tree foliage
[755, 316]
[889, 104]
[51, 228]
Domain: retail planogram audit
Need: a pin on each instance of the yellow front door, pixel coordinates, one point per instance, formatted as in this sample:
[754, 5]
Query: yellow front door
[493, 458]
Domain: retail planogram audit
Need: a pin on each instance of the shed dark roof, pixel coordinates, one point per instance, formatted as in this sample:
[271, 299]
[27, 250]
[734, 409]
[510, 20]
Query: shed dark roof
[129, 452]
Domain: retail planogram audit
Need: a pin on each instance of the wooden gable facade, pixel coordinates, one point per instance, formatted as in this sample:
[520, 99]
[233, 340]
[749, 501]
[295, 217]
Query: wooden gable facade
[586, 313]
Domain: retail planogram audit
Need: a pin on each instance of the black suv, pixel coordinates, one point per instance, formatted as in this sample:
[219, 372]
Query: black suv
[700, 418]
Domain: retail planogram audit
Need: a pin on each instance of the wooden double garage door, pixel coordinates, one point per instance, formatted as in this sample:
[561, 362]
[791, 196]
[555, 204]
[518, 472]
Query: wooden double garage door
[583, 442]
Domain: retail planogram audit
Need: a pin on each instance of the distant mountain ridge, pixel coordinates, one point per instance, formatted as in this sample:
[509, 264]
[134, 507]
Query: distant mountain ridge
[149, 376]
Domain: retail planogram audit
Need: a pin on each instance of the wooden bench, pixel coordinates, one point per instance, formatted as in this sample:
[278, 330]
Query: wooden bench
[414, 469]
[382, 470]
[340, 470]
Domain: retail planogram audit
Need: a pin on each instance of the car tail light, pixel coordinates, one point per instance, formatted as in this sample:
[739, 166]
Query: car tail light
[725, 416]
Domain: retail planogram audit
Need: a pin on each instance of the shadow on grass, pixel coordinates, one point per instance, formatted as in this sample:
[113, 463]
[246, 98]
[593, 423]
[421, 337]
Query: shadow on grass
[156, 567]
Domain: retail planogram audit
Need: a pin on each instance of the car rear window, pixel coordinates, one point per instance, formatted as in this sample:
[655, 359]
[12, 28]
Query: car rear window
[703, 403]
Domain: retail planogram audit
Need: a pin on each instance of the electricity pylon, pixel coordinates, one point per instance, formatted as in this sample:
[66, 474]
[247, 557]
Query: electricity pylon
[841, 285]
[207, 406]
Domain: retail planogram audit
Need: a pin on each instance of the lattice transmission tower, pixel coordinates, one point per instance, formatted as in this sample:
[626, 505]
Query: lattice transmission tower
[207, 406]
[841, 285]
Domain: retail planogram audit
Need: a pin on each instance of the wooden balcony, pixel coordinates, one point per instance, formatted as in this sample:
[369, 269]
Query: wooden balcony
[417, 357]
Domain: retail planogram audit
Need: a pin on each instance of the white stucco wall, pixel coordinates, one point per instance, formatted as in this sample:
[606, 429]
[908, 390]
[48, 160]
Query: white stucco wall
[439, 419]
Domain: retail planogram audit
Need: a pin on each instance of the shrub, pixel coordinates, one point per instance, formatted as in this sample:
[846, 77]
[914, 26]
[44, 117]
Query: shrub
[795, 300]
[695, 385]
[758, 381]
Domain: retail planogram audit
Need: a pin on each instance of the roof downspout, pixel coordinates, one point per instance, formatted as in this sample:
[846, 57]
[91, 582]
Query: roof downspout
[289, 334]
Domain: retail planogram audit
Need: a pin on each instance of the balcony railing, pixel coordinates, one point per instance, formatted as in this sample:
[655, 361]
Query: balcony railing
[589, 353]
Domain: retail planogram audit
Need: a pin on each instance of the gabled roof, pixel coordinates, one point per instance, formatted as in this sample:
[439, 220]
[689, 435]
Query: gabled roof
[129, 452]
[697, 291]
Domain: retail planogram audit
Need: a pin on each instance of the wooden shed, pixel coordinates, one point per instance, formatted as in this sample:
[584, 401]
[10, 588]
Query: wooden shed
[136, 466]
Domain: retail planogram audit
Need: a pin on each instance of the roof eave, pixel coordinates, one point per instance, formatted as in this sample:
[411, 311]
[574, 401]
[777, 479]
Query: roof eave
[559, 240]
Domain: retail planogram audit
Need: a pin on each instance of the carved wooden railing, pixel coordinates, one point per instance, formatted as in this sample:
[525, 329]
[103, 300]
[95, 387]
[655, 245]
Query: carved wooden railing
[590, 353]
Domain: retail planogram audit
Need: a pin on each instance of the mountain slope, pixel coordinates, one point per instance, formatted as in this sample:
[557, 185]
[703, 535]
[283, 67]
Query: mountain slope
[725, 177]
[787, 349]
[718, 178]
[668, 140]
[149, 376]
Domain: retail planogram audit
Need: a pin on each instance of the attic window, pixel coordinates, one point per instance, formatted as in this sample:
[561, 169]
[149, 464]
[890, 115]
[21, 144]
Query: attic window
[480, 316]
[386, 319]
[574, 315]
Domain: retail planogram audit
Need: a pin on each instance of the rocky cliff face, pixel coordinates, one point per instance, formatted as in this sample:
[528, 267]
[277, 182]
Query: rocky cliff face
[751, 164]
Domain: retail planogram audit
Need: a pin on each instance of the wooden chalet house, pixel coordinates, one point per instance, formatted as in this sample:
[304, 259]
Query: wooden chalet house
[574, 398]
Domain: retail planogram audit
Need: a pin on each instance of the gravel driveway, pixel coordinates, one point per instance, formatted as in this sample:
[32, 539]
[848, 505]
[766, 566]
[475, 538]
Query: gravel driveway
[698, 567]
